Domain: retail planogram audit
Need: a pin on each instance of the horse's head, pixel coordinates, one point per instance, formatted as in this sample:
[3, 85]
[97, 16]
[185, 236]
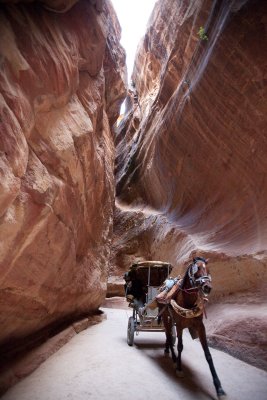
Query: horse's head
[199, 276]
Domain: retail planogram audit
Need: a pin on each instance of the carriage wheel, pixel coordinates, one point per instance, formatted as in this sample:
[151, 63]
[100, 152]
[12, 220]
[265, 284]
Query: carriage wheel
[174, 335]
[130, 331]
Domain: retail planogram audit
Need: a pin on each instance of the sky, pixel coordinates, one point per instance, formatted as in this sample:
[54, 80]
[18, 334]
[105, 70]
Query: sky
[133, 16]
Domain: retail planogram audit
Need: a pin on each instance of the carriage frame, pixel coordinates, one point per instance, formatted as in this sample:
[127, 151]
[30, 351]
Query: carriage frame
[152, 275]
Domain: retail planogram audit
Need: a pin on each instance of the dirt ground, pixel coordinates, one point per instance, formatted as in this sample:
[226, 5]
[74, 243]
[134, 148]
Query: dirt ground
[98, 364]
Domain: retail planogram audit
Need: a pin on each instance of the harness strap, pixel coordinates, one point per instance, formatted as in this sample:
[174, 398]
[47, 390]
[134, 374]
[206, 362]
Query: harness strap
[162, 311]
[204, 309]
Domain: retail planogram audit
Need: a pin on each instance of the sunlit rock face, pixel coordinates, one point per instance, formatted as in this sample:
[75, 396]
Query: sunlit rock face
[191, 165]
[57, 156]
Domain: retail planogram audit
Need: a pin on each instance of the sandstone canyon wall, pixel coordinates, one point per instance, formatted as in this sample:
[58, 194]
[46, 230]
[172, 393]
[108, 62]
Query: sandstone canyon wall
[62, 80]
[191, 167]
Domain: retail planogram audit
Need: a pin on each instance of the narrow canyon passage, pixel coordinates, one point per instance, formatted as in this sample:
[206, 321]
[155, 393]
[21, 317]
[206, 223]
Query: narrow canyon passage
[86, 191]
[98, 364]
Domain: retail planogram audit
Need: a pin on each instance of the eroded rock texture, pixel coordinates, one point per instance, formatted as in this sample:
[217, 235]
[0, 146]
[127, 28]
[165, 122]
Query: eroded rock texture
[58, 60]
[191, 165]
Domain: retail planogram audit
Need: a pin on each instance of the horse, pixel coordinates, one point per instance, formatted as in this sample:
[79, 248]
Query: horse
[185, 309]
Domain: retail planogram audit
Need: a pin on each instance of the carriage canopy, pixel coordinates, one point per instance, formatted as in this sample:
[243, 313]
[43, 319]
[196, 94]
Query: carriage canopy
[150, 273]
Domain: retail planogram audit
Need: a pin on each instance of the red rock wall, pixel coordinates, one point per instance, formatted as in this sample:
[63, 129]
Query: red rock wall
[191, 165]
[195, 149]
[57, 154]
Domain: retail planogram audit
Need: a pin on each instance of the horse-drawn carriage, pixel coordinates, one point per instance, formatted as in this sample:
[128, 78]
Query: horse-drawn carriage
[178, 302]
[143, 282]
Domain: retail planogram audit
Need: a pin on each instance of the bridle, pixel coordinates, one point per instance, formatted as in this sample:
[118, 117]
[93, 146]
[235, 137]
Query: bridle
[196, 282]
[201, 282]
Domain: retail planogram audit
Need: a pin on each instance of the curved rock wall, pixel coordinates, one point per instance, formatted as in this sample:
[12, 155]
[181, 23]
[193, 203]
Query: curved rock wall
[58, 60]
[191, 167]
[194, 149]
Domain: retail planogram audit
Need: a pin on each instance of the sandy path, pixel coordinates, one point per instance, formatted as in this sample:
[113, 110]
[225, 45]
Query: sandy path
[98, 364]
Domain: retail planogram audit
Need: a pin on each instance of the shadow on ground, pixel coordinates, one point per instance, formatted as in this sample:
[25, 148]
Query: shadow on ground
[191, 382]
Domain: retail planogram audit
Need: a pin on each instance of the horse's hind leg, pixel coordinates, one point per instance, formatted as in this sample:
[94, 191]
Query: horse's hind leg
[169, 346]
[216, 380]
[165, 323]
[169, 341]
[179, 371]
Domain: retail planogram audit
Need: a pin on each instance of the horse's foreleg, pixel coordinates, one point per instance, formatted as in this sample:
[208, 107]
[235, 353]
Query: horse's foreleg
[216, 380]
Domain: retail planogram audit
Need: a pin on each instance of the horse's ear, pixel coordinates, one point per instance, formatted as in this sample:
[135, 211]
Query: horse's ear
[196, 259]
[207, 260]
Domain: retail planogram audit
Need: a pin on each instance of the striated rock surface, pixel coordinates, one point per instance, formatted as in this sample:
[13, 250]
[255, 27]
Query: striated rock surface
[191, 162]
[57, 110]
[198, 155]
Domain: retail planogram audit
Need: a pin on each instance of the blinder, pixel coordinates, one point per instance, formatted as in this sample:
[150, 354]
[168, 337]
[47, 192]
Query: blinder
[194, 269]
[201, 282]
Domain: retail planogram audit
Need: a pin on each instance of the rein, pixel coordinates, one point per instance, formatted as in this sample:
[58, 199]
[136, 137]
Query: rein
[189, 291]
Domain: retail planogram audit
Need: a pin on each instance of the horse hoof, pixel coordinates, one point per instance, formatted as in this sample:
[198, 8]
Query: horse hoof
[166, 353]
[221, 394]
[180, 374]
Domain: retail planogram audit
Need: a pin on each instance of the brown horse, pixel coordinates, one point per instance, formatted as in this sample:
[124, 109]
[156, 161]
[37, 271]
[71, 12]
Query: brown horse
[186, 310]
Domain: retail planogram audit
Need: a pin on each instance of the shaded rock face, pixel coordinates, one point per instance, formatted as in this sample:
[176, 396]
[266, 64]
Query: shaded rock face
[57, 155]
[191, 164]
